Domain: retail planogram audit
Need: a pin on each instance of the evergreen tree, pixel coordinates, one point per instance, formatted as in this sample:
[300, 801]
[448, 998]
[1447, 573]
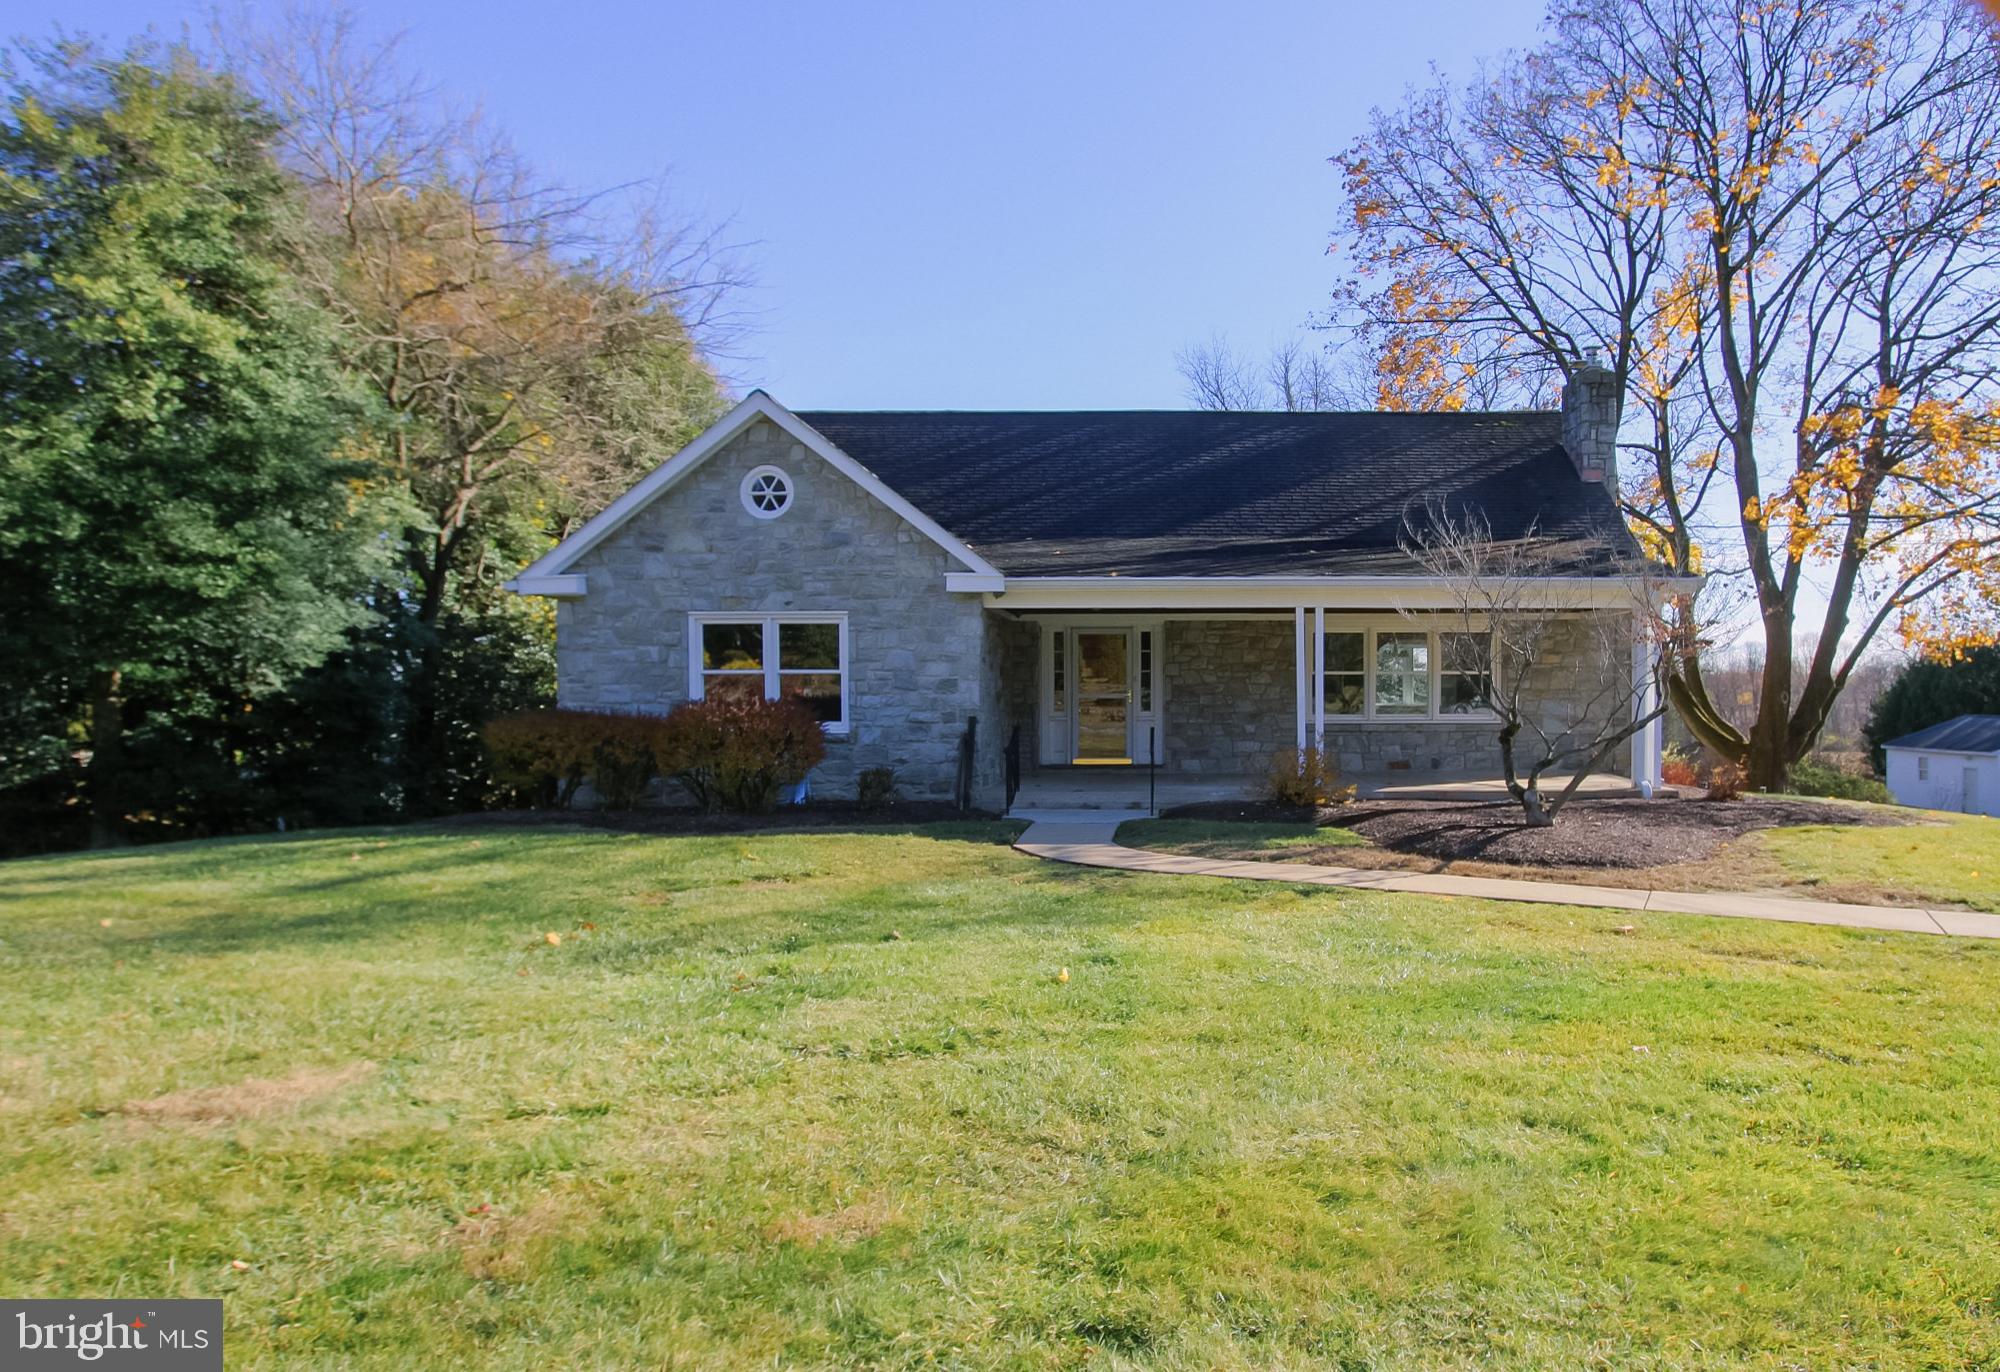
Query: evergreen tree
[1930, 691]
[178, 529]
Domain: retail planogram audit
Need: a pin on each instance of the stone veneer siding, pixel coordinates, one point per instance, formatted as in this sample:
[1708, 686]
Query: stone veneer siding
[920, 659]
[1018, 651]
[1231, 702]
[1230, 693]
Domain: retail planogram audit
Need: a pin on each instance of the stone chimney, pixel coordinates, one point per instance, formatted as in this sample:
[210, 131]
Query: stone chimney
[1591, 406]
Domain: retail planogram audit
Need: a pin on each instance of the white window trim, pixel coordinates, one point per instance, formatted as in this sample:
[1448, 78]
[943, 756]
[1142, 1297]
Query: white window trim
[1371, 632]
[772, 674]
[749, 504]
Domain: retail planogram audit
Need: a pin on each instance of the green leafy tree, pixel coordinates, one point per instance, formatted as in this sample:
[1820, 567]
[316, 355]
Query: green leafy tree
[177, 522]
[1930, 691]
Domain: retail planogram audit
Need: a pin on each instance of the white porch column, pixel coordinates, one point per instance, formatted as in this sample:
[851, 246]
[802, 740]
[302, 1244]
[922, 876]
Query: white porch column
[1301, 669]
[1317, 687]
[1645, 699]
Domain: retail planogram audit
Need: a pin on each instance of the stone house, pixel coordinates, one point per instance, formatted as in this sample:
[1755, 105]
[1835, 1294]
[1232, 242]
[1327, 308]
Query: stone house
[1104, 593]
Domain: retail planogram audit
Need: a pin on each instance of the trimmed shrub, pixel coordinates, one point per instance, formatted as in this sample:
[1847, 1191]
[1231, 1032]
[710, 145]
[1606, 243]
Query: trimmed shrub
[736, 754]
[1305, 776]
[1811, 778]
[876, 787]
[622, 758]
[541, 755]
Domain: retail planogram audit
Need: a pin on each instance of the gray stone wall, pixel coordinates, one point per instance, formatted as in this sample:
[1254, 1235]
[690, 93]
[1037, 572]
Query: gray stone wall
[1231, 701]
[920, 659]
[1018, 651]
[1231, 693]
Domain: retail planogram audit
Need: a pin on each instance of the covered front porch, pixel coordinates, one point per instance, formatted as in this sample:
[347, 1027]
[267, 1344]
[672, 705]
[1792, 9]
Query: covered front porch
[1150, 790]
[1156, 708]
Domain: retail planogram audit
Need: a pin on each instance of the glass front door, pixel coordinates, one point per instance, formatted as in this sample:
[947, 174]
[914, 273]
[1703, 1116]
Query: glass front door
[1103, 695]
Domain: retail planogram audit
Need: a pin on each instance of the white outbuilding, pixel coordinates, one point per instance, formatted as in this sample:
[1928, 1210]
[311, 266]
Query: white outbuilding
[1950, 766]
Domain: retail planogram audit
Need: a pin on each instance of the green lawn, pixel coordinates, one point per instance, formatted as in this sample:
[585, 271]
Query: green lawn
[1955, 860]
[1206, 837]
[1945, 859]
[823, 1099]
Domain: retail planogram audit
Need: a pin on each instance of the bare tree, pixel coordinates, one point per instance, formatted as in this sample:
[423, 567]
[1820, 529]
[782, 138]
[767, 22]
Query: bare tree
[1294, 376]
[1218, 379]
[1299, 377]
[1549, 659]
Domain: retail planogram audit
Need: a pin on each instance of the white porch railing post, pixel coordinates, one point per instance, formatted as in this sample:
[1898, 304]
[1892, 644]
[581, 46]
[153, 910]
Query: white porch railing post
[1300, 670]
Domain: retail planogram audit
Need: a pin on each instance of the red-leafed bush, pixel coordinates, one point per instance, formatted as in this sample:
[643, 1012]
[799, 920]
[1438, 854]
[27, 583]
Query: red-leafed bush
[622, 758]
[544, 755]
[736, 754]
[1679, 769]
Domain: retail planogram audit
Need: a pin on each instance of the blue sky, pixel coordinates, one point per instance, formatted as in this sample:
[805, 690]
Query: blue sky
[959, 205]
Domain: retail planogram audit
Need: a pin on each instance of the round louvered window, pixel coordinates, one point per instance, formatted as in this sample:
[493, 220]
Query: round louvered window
[767, 492]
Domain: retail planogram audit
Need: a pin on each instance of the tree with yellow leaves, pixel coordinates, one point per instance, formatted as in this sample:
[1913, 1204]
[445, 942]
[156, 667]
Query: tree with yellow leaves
[531, 350]
[1780, 225]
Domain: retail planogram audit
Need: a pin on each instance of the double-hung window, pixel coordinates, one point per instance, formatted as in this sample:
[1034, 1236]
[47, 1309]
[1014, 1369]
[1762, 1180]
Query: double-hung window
[771, 656]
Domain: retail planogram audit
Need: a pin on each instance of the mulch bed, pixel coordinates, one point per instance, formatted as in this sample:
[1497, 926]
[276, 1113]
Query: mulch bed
[1604, 834]
[832, 814]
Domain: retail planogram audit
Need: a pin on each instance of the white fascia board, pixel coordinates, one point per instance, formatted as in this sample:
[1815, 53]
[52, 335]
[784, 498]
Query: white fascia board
[757, 405]
[560, 587]
[1275, 592]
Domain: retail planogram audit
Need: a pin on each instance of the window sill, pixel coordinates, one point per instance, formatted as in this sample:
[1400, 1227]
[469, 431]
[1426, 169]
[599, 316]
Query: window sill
[1405, 721]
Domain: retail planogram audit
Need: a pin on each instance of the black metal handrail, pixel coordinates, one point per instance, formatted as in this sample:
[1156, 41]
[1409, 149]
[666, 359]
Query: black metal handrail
[1012, 771]
[968, 750]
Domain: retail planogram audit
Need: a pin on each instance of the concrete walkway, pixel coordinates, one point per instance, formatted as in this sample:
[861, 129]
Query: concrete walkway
[1089, 839]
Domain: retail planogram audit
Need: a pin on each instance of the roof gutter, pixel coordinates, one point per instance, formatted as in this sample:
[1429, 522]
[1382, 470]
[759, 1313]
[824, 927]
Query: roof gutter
[1276, 592]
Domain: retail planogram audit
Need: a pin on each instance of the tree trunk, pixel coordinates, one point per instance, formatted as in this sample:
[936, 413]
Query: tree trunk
[1770, 762]
[423, 745]
[107, 760]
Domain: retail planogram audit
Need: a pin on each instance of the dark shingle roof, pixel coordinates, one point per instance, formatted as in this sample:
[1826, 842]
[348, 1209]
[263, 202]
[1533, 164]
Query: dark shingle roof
[1966, 734]
[1193, 493]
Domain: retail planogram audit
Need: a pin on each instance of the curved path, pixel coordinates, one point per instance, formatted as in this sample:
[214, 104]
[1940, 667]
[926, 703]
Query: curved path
[1089, 839]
